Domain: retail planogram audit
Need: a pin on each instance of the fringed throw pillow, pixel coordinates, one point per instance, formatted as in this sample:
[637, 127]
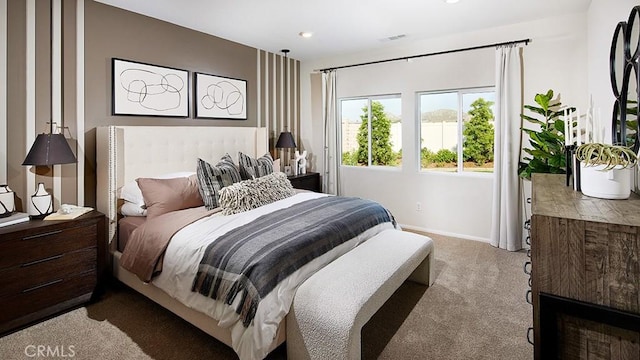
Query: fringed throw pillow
[250, 194]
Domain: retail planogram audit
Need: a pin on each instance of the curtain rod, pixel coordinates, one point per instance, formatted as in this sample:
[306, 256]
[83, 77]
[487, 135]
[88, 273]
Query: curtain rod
[525, 41]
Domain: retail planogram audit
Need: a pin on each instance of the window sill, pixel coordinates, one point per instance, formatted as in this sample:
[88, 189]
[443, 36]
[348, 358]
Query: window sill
[483, 175]
[379, 168]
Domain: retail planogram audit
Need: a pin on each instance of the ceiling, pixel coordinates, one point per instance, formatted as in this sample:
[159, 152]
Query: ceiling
[342, 26]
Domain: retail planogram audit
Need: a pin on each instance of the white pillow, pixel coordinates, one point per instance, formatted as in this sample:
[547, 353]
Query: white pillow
[131, 192]
[131, 209]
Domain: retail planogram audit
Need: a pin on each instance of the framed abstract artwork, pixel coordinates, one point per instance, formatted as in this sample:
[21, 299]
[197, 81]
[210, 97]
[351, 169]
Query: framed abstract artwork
[218, 97]
[148, 90]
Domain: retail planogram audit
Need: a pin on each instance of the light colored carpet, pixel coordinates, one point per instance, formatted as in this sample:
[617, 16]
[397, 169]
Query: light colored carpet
[475, 310]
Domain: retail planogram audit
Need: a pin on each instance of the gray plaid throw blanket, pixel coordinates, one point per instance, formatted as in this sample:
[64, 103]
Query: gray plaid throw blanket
[251, 260]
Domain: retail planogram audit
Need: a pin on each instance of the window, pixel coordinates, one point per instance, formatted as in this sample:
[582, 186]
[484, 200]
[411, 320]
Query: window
[456, 130]
[371, 131]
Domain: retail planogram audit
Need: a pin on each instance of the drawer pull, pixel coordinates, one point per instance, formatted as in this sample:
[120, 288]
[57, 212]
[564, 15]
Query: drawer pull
[529, 253]
[529, 297]
[41, 286]
[530, 335]
[527, 267]
[528, 240]
[42, 260]
[530, 281]
[41, 235]
[527, 224]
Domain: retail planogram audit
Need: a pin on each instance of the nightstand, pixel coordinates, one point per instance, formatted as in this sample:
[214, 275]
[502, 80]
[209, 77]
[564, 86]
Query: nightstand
[49, 266]
[308, 181]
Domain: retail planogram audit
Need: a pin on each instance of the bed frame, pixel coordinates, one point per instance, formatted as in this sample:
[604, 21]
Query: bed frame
[124, 153]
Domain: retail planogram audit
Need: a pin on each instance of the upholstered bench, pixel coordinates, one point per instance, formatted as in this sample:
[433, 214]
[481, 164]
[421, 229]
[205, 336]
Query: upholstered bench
[330, 308]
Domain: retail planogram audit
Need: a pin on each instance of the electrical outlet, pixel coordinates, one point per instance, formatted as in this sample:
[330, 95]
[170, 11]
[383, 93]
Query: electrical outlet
[418, 206]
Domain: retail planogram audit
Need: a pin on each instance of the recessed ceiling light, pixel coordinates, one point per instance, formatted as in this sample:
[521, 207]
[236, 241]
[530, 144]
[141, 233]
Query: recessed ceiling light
[451, 1]
[306, 34]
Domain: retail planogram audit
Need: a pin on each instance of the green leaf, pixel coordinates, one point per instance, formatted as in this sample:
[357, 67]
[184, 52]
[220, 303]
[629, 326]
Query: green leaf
[543, 101]
[536, 110]
[533, 120]
[540, 153]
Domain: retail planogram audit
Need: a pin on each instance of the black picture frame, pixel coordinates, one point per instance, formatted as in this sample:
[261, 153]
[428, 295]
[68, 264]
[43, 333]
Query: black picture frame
[141, 89]
[219, 97]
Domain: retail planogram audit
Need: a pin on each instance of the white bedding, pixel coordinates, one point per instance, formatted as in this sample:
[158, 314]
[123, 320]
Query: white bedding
[183, 256]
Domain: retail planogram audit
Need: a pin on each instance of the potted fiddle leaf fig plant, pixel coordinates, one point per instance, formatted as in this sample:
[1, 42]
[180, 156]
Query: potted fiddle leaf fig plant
[547, 151]
[605, 170]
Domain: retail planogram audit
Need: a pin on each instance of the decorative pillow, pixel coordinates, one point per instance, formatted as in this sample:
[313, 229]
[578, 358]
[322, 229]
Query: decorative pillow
[251, 194]
[131, 191]
[164, 195]
[251, 168]
[213, 178]
[276, 165]
[131, 209]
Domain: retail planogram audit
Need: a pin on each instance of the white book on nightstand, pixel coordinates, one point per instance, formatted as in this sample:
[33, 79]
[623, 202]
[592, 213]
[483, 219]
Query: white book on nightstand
[14, 218]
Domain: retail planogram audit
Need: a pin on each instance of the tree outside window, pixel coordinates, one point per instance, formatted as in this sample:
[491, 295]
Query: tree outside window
[456, 130]
[377, 142]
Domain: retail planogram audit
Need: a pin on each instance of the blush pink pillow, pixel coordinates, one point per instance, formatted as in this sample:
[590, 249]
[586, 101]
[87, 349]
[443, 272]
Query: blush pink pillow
[165, 195]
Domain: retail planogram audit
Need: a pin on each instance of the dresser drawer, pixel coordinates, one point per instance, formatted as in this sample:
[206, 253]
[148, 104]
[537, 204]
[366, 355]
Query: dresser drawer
[22, 278]
[27, 247]
[45, 296]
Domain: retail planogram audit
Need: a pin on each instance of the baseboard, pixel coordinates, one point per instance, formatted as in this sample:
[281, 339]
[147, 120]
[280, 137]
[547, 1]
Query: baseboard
[445, 233]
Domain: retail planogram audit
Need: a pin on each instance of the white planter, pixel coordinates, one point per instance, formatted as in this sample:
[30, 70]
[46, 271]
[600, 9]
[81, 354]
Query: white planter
[605, 184]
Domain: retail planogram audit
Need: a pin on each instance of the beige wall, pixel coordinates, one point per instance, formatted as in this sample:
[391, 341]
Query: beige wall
[112, 32]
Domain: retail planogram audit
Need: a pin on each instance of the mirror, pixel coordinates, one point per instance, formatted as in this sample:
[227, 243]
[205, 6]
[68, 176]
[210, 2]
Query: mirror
[617, 58]
[633, 34]
[631, 112]
[616, 130]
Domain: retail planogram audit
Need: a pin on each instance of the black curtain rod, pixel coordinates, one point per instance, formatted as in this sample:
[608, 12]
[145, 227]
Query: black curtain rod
[525, 41]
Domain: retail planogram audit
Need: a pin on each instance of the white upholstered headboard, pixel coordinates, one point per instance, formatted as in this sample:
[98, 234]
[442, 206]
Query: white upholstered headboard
[125, 153]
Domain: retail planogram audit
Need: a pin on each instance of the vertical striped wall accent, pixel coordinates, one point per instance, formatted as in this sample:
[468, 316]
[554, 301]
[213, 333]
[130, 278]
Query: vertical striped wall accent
[80, 99]
[31, 71]
[56, 94]
[31, 93]
[3, 91]
[275, 98]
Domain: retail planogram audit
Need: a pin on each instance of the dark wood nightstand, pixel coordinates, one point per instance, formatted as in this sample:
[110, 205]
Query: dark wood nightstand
[308, 181]
[49, 266]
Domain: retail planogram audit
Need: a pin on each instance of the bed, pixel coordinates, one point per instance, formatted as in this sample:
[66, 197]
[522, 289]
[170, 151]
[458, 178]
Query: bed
[125, 153]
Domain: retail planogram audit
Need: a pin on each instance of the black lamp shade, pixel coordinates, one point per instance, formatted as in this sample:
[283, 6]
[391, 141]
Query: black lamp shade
[49, 149]
[285, 141]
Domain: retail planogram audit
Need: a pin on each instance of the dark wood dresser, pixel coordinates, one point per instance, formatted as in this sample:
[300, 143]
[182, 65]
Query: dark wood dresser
[308, 181]
[49, 266]
[585, 273]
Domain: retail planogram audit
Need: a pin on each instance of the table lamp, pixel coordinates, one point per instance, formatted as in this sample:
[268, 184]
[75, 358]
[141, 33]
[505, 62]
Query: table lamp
[48, 149]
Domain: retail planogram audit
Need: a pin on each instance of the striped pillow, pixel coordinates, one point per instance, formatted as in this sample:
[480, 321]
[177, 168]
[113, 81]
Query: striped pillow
[251, 168]
[213, 178]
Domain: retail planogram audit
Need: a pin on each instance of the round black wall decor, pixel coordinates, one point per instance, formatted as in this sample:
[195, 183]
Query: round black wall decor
[624, 72]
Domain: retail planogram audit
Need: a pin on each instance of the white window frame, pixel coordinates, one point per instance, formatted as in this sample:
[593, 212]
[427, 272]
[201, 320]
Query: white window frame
[369, 99]
[459, 148]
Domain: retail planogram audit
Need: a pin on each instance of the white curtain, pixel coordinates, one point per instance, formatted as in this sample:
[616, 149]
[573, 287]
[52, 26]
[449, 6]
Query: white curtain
[506, 227]
[330, 178]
